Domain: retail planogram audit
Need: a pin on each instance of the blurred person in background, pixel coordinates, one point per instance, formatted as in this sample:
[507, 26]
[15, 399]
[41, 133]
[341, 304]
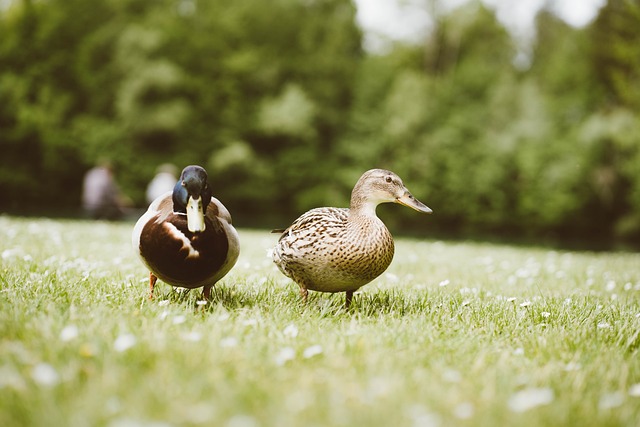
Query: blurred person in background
[101, 196]
[164, 181]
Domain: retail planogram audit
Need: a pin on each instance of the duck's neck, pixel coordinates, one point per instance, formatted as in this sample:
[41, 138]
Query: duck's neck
[363, 208]
[364, 226]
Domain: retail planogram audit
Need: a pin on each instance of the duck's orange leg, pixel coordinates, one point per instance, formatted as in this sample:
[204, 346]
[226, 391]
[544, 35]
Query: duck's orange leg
[206, 292]
[347, 299]
[152, 283]
[304, 293]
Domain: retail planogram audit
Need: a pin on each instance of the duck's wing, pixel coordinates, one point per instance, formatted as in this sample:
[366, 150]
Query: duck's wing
[316, 222]
[162, 203]
[316, 217]
[216, 210]
[221, 218]
[158, 210]
[314, 228]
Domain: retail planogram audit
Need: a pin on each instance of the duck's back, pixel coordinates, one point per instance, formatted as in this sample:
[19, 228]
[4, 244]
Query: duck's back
[329, 252]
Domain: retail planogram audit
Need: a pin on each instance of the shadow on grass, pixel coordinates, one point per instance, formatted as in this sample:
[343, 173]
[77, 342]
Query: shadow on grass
[231, 297]
[274, 298]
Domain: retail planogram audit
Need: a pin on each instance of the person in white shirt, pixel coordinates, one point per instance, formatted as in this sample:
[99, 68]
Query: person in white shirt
[164, 181]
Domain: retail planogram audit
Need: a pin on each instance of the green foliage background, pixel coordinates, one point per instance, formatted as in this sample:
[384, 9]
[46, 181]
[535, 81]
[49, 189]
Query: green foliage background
[283, 107]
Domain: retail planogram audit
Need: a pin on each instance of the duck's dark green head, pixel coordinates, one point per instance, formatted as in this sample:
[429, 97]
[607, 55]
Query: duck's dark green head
[192, 195]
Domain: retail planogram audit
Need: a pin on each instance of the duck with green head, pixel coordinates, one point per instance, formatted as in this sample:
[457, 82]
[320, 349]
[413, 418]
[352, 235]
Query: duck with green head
[186, 237]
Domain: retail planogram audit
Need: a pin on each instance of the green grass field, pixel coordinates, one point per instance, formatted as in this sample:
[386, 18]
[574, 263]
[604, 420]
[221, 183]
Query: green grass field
[461, 334]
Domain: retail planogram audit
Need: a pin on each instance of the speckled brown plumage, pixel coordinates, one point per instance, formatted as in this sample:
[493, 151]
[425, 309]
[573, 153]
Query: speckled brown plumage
[339, 249]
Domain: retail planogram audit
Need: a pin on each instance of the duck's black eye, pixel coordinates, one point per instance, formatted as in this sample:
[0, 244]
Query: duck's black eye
[388, 179]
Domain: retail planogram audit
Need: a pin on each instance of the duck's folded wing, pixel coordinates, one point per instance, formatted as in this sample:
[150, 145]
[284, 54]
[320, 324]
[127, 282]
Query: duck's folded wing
[217, 211]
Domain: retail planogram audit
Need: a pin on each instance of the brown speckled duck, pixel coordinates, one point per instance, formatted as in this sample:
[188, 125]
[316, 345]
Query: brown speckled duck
[186, 238]
[339, 249]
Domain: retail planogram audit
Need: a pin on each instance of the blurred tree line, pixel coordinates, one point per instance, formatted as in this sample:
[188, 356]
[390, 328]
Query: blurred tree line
[280, 103]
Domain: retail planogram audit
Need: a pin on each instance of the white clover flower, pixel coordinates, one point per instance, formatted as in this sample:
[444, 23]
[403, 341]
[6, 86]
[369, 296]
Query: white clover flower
[464, 411]
[228, 342]
[45, 374]
[250, 322]
[530, 398]
[285, 355]
[312, 351]
[545, 314]
[421, 417]
[68, 333]
[290, 331]
[451, 376]
[178, 319]
[444, 283]
[242, 420]
[572, 366]
[8, 253]
[611, 400]
[192, 336]
[124, 342]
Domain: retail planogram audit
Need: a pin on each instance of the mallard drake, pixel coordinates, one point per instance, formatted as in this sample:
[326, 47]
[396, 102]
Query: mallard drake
[186, 238]
[340, 249]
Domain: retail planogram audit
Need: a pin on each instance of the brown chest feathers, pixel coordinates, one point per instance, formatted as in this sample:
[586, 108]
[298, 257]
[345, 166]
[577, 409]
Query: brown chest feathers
[336, 254]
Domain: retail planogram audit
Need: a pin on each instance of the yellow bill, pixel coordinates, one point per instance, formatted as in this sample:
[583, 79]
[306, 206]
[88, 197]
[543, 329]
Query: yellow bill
[195, 215]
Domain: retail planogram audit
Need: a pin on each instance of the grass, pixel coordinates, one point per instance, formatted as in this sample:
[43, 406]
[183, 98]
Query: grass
[452, 334]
